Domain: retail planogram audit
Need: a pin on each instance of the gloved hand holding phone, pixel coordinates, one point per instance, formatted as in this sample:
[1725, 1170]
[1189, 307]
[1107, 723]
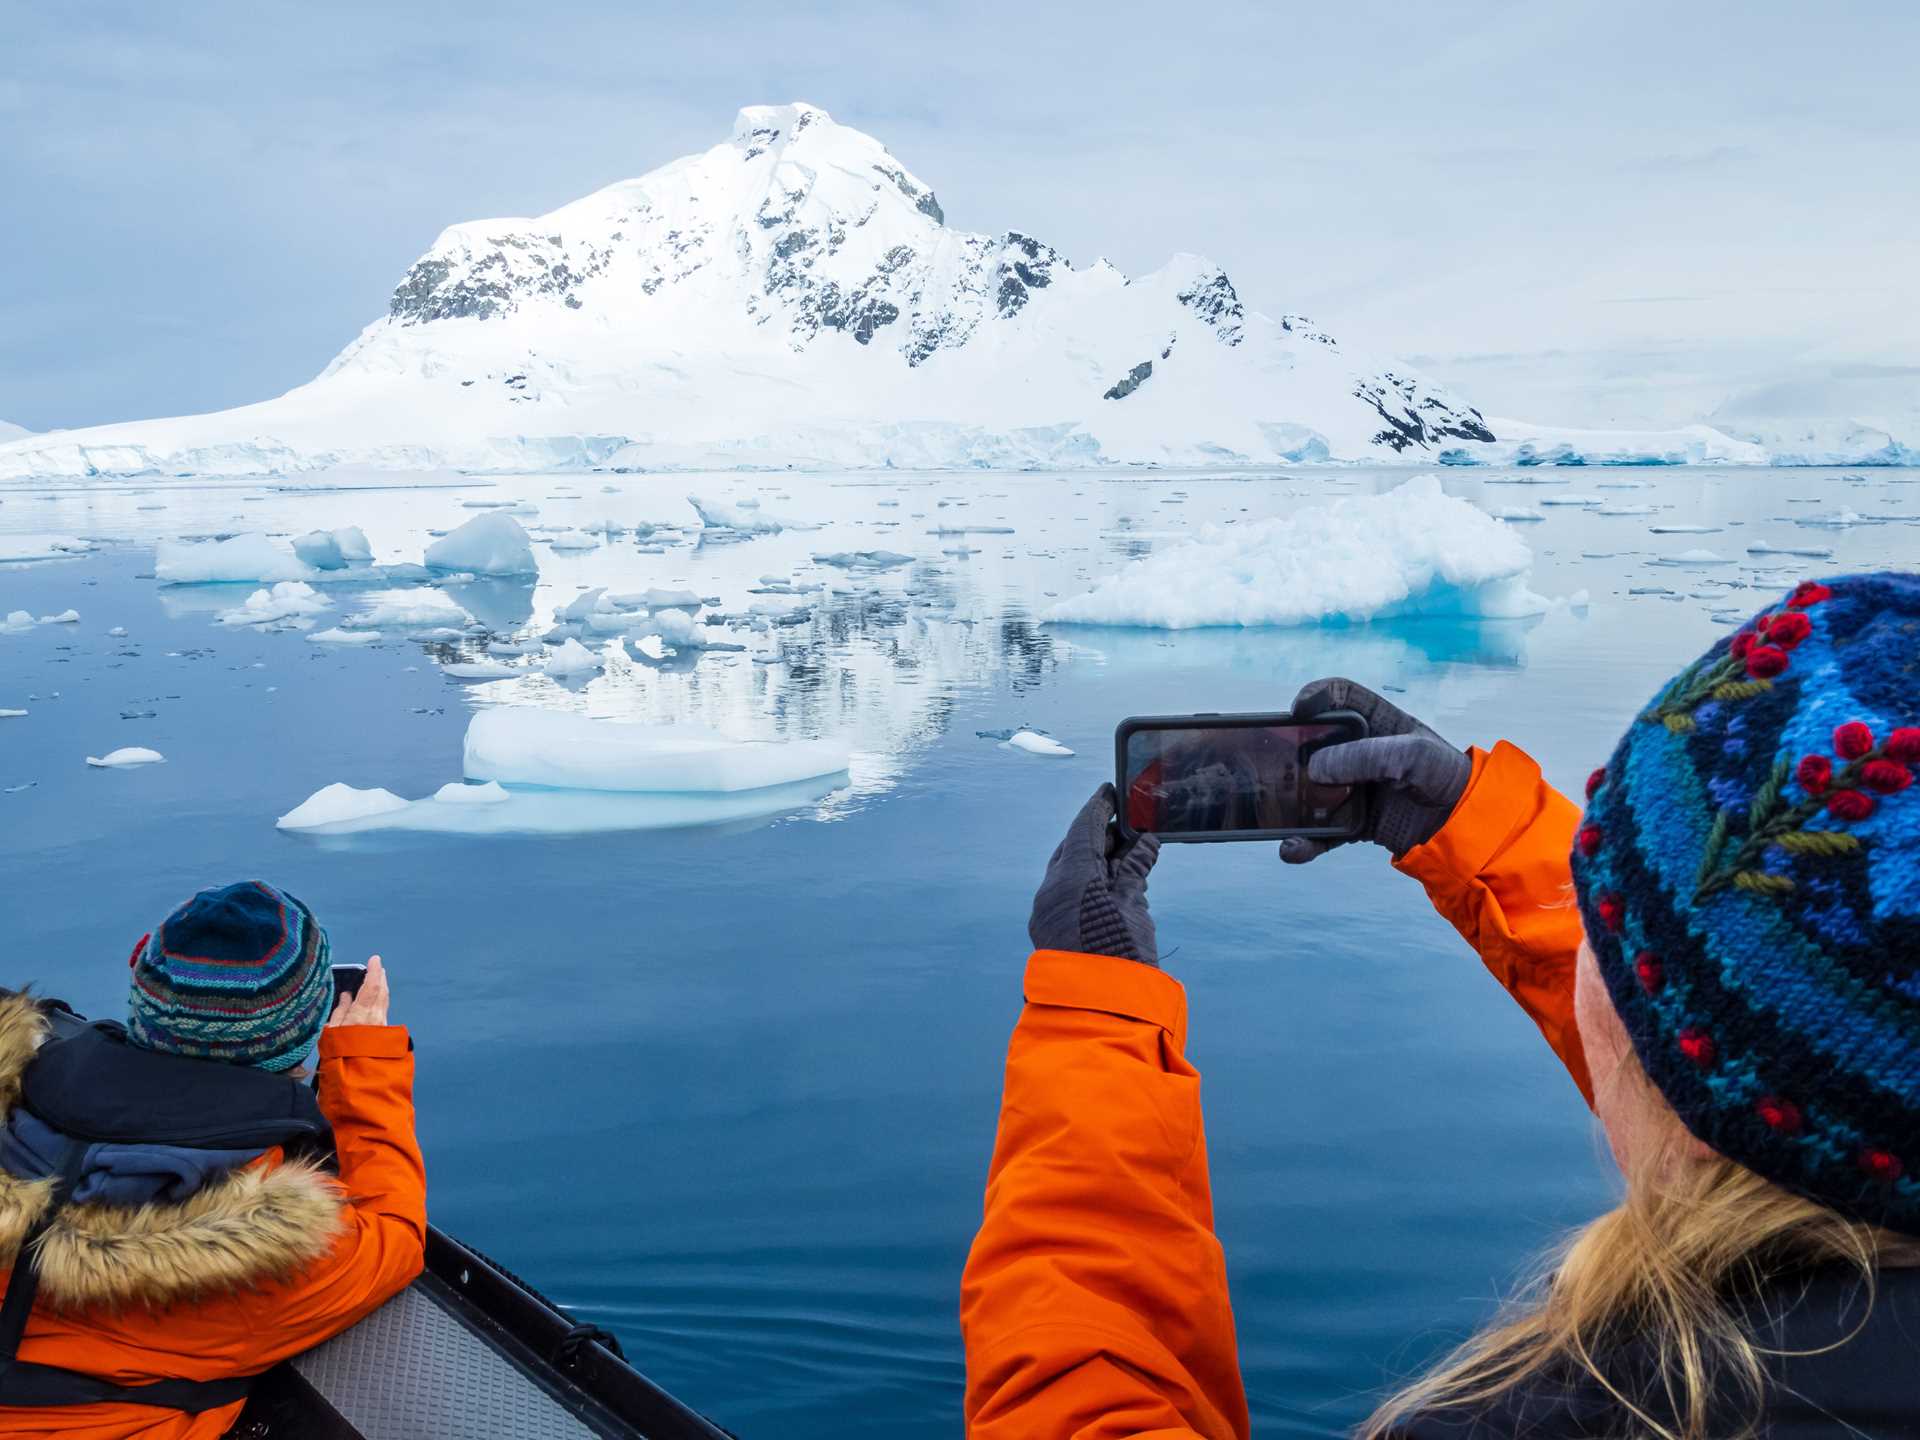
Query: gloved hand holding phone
[1416, 777]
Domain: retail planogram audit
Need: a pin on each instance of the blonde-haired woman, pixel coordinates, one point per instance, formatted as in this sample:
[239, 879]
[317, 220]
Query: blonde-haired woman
[1725, 954]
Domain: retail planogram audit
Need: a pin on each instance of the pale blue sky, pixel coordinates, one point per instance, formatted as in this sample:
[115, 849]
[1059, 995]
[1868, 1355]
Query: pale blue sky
[1588, 210]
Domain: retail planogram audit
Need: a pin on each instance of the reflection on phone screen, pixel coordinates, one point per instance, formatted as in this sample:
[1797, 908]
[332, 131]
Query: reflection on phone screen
[1234, 778]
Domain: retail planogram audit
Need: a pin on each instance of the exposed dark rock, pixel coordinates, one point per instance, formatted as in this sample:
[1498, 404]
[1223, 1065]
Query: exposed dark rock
[922, 197]
[1135, 378]
[1026, 265]
[1213, 299]
[1401, 403]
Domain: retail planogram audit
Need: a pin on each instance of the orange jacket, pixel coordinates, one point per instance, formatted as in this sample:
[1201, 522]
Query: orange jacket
[366, 1093]
[1094, 1304]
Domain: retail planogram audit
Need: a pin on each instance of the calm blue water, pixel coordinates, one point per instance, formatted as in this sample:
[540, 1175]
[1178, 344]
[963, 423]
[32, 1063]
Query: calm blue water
[731, 1091]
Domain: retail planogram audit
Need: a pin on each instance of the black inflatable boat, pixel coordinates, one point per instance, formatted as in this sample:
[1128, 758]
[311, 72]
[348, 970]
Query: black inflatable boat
[467, 1352]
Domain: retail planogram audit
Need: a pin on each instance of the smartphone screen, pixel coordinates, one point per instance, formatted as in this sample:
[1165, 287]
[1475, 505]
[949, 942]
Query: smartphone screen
[347, 980]
[1234, 777]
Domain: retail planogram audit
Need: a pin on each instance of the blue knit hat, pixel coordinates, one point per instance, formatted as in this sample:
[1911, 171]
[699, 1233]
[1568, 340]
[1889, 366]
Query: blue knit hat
[1749, 874]
[237, 974]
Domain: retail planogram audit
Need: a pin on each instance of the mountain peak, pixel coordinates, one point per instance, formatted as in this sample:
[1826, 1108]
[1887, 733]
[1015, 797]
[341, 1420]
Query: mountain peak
[764, 126]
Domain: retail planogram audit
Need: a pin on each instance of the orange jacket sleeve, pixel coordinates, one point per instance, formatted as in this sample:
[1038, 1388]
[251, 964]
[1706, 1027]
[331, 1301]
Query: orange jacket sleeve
[1094, 1303]
[1498, 871]
[366, 1093]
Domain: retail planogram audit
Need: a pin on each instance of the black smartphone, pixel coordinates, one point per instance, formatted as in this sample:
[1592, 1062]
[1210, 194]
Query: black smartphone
[1234, 777]
[347, 980]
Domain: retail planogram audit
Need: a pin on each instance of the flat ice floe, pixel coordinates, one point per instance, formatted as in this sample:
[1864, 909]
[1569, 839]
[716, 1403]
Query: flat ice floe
[41, 547]
[743, 517]
[125, 758]
[544, 747]
[337, 636]
[566, 773]
[1034, 743]
[288, 600]
[411, 610]
[1412, 551]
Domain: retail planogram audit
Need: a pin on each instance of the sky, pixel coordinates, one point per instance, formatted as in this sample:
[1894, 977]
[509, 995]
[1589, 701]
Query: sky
[1607, 212]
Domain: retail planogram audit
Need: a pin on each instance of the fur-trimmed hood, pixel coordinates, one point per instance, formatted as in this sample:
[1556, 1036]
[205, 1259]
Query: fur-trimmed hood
[259, 1223]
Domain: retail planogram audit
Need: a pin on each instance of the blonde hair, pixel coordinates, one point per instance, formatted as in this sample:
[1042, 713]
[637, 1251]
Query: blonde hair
[1665, 1269]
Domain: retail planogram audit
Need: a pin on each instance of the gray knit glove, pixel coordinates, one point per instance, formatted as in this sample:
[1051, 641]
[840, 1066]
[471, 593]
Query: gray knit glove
[1416, 777]
[1093, 900]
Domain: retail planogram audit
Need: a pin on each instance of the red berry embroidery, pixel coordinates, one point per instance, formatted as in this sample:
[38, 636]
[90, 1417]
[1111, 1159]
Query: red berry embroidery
[1852, 740]
[1649, 970]
[1589, 840]
[1599, 777]
[1788, 629]
[1613, 910]
[1698, 1047]
[1781, 1115]
[1766, 661]
[1742, 643]
[1904, 745]
[1850, 805]
[1808, 592]
[1889, 777]
[1882, 1165]
[1815, 773]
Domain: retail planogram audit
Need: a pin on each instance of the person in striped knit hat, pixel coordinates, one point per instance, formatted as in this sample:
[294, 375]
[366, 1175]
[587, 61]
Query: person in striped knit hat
[239, 973]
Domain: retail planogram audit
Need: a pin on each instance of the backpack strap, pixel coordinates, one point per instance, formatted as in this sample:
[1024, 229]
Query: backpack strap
[31, 1386]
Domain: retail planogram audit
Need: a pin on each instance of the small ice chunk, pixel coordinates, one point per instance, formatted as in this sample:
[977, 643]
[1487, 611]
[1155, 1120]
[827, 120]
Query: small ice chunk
[1809, 552]
[65, 617]
[490, 544]
[581, 606]
[575, 540]
[1571, 499]
[480, 670]
[543, 747]
[118, 632]
[1034, 743]
[1624, 510]
[125, 758]
[334, 549]
[1683, 529]
[17, 620]
[288, 600]
[245, 559]
[337, 636]
[1510, 513]
[339, 804]
[1693, 557]
[41, 547]
[864, 560]
[458, 792]
[572, 658]
[744, 517]
[411, 610]
[12, 714]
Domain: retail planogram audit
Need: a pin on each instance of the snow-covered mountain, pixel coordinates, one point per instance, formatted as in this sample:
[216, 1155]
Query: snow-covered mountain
[794, 296]
[10, 431]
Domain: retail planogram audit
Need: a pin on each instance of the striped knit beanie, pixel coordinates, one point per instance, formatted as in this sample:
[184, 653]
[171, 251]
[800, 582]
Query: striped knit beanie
[1749, 874]
[237, 974]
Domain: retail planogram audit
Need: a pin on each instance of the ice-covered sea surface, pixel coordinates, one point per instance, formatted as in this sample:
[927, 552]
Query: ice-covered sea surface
[721, 1070]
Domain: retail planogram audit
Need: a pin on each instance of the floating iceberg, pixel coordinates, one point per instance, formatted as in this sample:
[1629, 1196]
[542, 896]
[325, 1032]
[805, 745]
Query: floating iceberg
[572, 658]
[1518, 514]
[340, 804]
[334, 549]
[16, 621]
[574, 540]
[1034, 743]
[480, 670]
[65, 617]
[125, 758]
[543, 747]
[243, 559]
[1808, 552]
[289, 600]
[13, 714]
[337, 636]
[1412, 551]
[489, 544]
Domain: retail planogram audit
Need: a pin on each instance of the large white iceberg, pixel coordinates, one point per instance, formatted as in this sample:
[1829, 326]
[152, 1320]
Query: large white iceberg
[1412, 551]
[574, 752]
[251, 558]
[489, 544]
